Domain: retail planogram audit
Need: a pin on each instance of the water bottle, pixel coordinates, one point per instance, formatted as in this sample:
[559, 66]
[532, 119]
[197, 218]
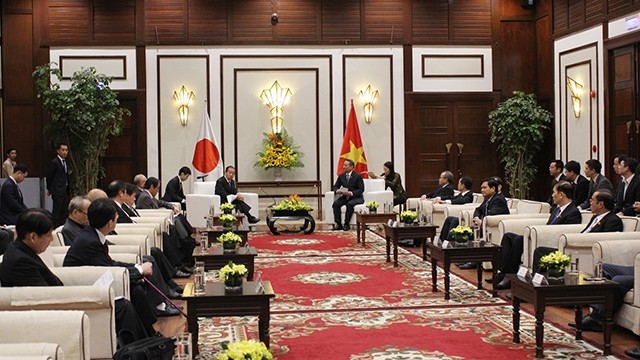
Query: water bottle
[597, 270]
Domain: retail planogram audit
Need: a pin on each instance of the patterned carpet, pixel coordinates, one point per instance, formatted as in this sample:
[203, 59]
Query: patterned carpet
[336, 299]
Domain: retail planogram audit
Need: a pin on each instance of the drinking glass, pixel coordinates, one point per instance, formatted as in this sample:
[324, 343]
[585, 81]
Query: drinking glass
[204, 242]
[183, 347]
[198, 275]
[477, 233]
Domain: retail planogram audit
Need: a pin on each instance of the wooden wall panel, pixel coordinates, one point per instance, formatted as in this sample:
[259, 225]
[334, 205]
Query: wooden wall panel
[165, 21]
[299, 20]
[471, 20]
[69, 22]
[114, 20]
[618, 5]
[593, 10]
[251, 21]
[382, 17]
[560, 15]
[206, 22]
[18, 88]
[576, 12]
[430, 21]
[341, 20]
[571, 16]
[518, 55]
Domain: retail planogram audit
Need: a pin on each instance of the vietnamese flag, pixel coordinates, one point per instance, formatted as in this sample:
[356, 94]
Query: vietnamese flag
[352, 147]
[206, 157]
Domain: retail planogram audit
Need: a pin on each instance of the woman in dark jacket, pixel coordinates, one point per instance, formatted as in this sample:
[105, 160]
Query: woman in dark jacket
[393, 181]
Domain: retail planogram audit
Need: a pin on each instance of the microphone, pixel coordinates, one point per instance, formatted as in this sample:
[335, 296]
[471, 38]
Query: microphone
[269, 195]
[202, 177]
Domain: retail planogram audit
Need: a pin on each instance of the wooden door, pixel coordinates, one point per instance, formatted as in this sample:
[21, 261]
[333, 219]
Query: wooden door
[448, 132]
[624, 122]
[127, 155]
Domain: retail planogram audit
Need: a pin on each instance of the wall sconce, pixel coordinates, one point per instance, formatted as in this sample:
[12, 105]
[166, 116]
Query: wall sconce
[275, 98]
[576, 93]
[184, 98]
[368, 98]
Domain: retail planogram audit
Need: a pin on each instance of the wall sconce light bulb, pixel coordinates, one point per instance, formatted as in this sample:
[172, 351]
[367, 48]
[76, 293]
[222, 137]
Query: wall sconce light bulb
[368, 97]
[575, 88]
[184, 99]
[276, 97]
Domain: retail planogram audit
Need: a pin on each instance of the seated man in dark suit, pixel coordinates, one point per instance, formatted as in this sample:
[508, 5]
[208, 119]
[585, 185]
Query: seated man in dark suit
[173, 191]
[597, 181]
[226, 188]
[579, 182]
[512, 244]
[77, 220]
[629, 188]
[348, 188]
[445, 189]
[556, 170]
[11, 201]
[91, 248]
[603, 220]
[22, 266]
[465, 194]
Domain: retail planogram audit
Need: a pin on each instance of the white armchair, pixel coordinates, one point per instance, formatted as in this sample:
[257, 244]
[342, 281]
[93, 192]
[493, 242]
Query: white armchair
[374, 190]
[68, 339]
[200, 202]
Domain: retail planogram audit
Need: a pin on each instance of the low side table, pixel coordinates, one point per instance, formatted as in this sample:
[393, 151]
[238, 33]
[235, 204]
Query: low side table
[215, 258]
[575, 291]
[216, 303]
[216, 219]
[475, 252]
[395, 233]
[216, 231]
[362, 219]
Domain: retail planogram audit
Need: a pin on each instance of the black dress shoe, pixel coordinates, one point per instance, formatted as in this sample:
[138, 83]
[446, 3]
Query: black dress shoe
[336, 227]
[174, 294]
[509, 296]
[178, 289]
[168, 311]
[504, 284]
[186, 269]
[499, 277]
[346, 227]
[253, 219]
[181, 274]
[633, 353]
[469, 265]
[589, 323]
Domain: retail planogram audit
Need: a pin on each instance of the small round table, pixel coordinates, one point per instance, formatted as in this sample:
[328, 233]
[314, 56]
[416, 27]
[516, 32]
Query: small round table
[275, 215]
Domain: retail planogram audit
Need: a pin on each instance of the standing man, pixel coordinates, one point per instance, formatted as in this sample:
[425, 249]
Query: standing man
[58, 184]
[173, 192]
[228, 191]
[597, 181]
[7, 166]
[629, 189]
[348, 188]
[556, 168]
[11, 200]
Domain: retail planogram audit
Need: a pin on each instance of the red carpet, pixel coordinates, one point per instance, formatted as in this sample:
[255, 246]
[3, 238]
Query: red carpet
[336, 299]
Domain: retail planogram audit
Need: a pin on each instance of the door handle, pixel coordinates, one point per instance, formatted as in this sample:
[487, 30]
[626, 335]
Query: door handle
[448, 146]
[628, 127]
[637, 126]
[460, 146]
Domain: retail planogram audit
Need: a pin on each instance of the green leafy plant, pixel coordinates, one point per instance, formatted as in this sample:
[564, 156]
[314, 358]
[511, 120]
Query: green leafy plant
[243, 350]
[83, 117]
[517, 126]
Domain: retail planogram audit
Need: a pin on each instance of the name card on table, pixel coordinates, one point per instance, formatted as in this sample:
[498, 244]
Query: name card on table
[395, 223]
[259, 285]
[539, 279]
[445, 244]
[390, 222]
[523, 271]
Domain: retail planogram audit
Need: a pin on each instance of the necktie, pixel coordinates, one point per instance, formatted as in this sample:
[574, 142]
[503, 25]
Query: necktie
[624, 189]
[348, 177]
[64, 165]
[555, 215]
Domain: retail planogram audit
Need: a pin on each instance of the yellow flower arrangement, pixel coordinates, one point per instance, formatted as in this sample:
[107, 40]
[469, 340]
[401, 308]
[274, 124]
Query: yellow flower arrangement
[372, 205]
[228, 207]
[556, 260]
[228, 218]
[461, 233]
[279, 152]
[294, 202]
[232, 270]
[408, 216]
[243, 350]
[229, 237]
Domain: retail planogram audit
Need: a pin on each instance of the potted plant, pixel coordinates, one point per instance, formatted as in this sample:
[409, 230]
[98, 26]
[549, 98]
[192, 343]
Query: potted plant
[518, 127]
[279, 153]
[83, 117]
[229, 241]
[556, 263]
[292, 206]
[227, 220]
[461, 233]
[232, 276]
[372, 206]
[244, 349]
[408, 216]
[227, 208]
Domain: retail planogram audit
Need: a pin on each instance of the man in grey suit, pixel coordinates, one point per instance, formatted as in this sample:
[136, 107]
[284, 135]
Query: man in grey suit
[597, 181]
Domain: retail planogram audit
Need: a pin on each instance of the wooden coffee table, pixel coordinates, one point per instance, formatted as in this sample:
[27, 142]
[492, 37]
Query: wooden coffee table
[216, 303]
[475, 252]
[216, 231]
[395, 233]
[575, 291]
[215, 258]
[362, 219]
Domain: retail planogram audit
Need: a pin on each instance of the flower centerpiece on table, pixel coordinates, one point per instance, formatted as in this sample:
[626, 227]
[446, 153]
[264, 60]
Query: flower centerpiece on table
[372, 206]
[461, 233]
[408, 216]
[227, 208]
[555, 263]
[229, 240]
[227, 220]
[279, 152]
[244, 349]
[292, 203]
[232, 274]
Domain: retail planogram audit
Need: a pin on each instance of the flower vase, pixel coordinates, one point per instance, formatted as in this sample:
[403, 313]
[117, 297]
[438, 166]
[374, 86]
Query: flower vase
[227, 225]
[277, 174]
[461, 239]
[227, 211]
[555, 275]
[229, 247]
[233, 284]
[373, 210]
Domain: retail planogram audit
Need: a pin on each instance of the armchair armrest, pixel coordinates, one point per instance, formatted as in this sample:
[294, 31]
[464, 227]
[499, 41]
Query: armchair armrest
[141, 241]
[544, 235]
[32, 351]
[87, 275]
[517, 225]
[69, 330]
[581, 245]
[155, 237]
